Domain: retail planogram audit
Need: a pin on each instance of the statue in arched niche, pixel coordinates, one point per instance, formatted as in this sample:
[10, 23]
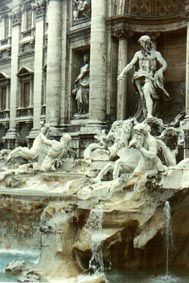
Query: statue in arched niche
[81, 90]
[81, 9]
[147, 78]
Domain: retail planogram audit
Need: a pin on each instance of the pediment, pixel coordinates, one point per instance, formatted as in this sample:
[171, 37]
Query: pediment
[4, 76]
[25, 71]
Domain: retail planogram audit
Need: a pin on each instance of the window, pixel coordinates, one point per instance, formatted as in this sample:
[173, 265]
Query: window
[6, 26]
[3, 93]
[25, 99]
[25, 94]
[28, 19]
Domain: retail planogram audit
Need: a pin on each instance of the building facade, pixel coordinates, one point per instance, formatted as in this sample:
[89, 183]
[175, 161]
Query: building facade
[42, 47]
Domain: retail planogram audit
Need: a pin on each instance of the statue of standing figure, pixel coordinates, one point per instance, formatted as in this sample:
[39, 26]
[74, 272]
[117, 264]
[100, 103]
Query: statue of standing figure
[148, 79]
[81, 90]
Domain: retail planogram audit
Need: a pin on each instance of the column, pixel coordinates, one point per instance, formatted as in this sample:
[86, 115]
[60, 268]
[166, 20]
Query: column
[32, 20]
[11, 134]
[9, 26]
[53, 90]
[38, 69]
[1, 27]
[111, 103]
[186, 122]
[31, 91]
[7, 96]
[23, 19]
[122, 84]
[64, 85]
[98, 61]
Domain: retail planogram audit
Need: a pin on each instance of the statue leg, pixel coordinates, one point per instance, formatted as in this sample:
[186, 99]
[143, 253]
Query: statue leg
[138, 84]
[104, 171]
[117, 167]
[12, 153]
[148, 91]
[23, 152]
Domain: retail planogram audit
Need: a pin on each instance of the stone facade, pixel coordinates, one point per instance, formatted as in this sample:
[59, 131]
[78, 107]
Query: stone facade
[42, 44]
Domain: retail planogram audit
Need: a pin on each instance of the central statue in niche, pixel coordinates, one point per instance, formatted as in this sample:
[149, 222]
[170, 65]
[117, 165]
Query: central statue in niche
[147, 78]
[81, 90]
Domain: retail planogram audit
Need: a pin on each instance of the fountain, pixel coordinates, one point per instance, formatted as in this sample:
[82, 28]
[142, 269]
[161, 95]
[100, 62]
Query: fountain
[94, 225]
[168, 235]
[109, 202]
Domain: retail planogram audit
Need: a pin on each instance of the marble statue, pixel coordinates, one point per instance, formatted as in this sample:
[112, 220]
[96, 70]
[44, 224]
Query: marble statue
[32, 153]
[174, 140]
[139, 152]
[81, 9]
[127, 157]
[107, 145]
[148, 147]
[56, 152]
[81, 90]
[148, 79]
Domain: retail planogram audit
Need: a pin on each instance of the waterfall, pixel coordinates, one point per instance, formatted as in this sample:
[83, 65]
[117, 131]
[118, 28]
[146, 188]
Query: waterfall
[94, 225]
[168, 236]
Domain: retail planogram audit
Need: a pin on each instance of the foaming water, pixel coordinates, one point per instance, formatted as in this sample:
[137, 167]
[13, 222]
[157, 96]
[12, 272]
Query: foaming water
[168, 235]
[94, 225]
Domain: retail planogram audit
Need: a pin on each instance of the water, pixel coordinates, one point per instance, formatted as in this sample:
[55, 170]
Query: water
[7, 256]
[168, 235]
[146, 277]
[94, 225]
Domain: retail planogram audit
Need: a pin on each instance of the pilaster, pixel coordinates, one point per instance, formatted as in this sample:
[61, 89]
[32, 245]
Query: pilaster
[64, 70]
[39, 10]
[185, 126]
[122, 36]
[16, 19]
[53, 90]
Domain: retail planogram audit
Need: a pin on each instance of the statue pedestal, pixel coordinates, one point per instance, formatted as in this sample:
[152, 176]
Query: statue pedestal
[10, 138]
[83, 132]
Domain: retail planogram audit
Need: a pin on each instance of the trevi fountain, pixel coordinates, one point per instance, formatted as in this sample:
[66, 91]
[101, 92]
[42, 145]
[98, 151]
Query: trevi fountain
[117, 214]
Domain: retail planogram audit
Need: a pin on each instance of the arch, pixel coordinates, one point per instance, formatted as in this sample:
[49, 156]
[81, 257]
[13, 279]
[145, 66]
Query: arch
[5, 9]
[148, 8]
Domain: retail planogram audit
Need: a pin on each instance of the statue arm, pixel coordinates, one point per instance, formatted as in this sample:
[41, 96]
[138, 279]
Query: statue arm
[129, 66]
[84, 71]
[151, 153]
[163, 63]
[45, 140]
[150, 143]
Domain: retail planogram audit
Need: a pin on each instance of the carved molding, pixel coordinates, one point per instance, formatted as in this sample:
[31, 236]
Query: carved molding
[122, 33]
[5, 54]
[27, 47]
[16, 17]
[39, 7]
[147, 25]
